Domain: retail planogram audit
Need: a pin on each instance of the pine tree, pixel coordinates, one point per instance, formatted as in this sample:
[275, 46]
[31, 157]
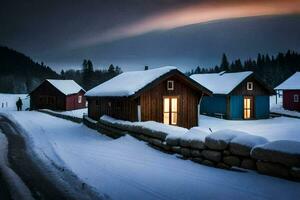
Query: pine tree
[224, 64]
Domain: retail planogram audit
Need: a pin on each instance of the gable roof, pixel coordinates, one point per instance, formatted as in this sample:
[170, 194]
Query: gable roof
[221, 83]
[67, 87]
[133, 83]
[292, 83]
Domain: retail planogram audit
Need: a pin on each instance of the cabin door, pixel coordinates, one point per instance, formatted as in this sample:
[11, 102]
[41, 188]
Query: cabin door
[170, 109]
[248, 107]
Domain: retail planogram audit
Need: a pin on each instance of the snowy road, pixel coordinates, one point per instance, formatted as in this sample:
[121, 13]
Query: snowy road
[57, 183]
[126, 168]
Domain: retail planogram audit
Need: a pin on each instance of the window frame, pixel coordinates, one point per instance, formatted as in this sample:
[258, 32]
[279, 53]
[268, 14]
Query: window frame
[170, 82]
[250, 85]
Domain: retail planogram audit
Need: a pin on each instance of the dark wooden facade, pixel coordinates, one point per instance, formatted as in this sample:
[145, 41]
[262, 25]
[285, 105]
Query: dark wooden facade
[289, 100]
[46, 96]
[150, 101]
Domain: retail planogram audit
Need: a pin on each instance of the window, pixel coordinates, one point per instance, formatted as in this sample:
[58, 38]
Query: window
[79, 99]
[249, 85]
[170, 85]
[296, 98]
[170, 110]
[248, 105]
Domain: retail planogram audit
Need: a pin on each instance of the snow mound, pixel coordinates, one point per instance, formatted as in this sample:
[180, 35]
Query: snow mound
[249, 140]
[128, 83]
[175, 131]
[285, 152]
[243, 144]
[219, 140]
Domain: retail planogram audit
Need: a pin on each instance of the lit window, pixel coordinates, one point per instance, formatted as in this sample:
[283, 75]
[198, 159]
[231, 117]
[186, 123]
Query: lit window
[296, 98]
[249, 86]
[79, 99]
[170, 85]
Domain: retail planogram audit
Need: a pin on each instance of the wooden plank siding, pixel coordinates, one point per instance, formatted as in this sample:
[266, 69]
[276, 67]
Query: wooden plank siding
[288, 100]
[151, 102]
[120, 108]
[258, 88]
[39, 98]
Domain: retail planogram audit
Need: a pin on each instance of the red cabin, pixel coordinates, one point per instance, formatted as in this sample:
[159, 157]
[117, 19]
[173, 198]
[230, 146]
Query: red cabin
[291, 92]
[58, 95]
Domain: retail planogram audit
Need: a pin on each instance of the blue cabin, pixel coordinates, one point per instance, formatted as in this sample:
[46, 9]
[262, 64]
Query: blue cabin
[236, 96]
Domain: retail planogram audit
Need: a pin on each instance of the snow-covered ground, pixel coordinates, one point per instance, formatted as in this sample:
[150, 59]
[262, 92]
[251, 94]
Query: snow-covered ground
[279, 128]
[8, 101]
[126, 168]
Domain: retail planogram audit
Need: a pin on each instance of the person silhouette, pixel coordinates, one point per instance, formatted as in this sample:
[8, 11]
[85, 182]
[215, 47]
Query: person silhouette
[19, 104]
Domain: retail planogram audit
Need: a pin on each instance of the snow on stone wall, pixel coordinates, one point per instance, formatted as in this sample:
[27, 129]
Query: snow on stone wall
[223, 149]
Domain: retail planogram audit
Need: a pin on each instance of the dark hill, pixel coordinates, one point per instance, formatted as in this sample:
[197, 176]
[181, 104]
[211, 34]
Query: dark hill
[19, 73]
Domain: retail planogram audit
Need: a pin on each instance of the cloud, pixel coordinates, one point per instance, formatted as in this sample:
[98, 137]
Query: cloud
[194, 14]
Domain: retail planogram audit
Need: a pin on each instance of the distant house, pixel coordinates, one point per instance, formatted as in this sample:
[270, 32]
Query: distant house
[164, 95]
[291, 92]
[58, 95]
[236, 96]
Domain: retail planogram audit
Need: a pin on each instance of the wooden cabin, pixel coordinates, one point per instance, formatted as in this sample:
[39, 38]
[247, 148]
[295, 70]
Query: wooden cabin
[291, 92]
[58, 95]
[163, 95]
[236, 96]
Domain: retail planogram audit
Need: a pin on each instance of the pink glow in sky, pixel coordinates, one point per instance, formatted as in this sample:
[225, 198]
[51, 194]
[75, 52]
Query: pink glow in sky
[199, 13]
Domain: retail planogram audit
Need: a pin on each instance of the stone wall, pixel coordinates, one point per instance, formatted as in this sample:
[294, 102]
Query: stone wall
[224, 149]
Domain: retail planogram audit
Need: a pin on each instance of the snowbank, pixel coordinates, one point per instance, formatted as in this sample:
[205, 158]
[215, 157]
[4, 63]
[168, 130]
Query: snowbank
[283, 151]
[73, 113]
[220, 140]
[161, 130]
[279, 128]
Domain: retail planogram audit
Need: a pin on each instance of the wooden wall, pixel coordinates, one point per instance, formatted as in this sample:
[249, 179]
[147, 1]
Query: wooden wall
[47, 97]
[151, 102]
[288, 100]
[72, 101]
[258, 89]
[120, 108]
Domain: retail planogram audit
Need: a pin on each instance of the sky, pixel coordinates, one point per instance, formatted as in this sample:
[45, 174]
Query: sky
[135, 33]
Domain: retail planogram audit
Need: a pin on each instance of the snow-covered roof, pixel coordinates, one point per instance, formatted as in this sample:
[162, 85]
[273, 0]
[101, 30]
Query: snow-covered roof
[128, 83]
[67, 87]
[292, 83]
[221, 83]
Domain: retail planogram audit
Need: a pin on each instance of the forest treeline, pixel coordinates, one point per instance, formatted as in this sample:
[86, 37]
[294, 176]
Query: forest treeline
[20, 74]
[271, 69]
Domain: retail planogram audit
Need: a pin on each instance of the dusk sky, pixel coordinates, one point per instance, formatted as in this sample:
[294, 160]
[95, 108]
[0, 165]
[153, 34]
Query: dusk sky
[136, 33]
